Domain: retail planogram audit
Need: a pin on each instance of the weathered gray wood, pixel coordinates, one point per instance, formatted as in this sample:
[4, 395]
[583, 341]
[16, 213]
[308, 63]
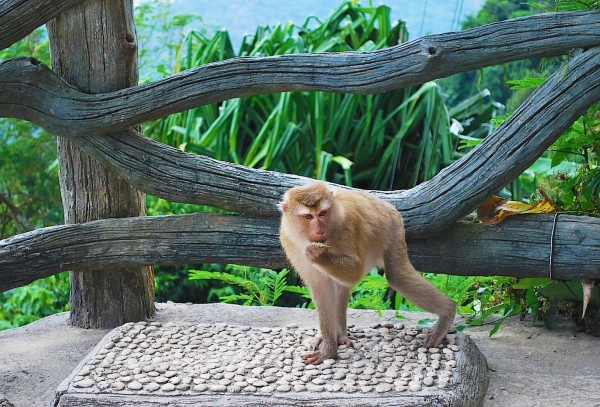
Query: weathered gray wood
[93, 46]
[166, 240]
[30, 94]
[473, 369]
[428, 208]
[18, 18]
[516, 247]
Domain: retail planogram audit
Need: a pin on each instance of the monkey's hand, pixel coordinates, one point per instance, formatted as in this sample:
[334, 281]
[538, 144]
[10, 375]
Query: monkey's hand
[314, 250]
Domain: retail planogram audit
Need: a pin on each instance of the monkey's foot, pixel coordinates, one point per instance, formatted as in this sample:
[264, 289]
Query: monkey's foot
[316, 358]
[344, 340]
[317, 342]
[434, 339]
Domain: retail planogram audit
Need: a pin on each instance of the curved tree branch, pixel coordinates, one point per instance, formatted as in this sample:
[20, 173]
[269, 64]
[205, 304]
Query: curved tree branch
[428, 208]
[18, 18]
[518, 247]
[31, 92]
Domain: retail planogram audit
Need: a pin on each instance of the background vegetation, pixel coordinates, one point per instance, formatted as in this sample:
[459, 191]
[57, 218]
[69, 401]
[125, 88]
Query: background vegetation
[386, 141]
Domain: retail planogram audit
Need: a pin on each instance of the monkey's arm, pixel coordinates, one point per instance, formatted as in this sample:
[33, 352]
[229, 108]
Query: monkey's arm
[345, 267]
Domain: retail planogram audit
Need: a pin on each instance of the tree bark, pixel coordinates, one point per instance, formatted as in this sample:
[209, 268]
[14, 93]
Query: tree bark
[174, 175]
[19, 18]
[93, 46]
[519, 246]
[30, 94]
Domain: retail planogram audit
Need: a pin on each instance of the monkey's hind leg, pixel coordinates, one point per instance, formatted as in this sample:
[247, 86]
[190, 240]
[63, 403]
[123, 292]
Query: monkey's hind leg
[403, 278]
[342, 294]
[323, 293]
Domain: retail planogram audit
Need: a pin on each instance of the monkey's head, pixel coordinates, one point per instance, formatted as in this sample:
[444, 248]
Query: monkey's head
[308, 208]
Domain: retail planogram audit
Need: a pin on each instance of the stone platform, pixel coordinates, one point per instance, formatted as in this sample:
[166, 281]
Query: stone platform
[187, 363]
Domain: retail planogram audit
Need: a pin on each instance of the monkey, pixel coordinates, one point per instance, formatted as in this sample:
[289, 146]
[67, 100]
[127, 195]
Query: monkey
[333, 237]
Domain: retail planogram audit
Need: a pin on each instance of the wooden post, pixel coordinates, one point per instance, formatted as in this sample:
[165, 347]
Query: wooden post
[93, 46]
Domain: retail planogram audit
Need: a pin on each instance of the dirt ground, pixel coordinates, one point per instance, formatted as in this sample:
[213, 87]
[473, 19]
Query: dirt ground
[529, 365]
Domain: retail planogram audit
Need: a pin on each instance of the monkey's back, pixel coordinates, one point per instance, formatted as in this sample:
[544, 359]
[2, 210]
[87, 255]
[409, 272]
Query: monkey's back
[376, 220]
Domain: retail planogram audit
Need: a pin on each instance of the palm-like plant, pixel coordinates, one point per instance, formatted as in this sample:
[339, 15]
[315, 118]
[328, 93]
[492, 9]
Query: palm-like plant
[391, 140]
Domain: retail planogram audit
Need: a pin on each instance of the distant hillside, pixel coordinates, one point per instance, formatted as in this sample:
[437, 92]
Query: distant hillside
[241, 17]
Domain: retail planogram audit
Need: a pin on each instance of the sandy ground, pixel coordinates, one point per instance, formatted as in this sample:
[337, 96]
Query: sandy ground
[529, 365]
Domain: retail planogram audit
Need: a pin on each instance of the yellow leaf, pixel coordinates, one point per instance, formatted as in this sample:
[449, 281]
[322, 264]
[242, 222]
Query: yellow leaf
[495, 209]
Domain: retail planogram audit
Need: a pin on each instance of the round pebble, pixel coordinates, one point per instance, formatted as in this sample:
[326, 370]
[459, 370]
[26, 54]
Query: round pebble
[84, 383]
[383, 387]
[314, 387]
[152, 387]
[118, 386]
[299, 387]
[135, 386]
[168, 387]
[415, 387]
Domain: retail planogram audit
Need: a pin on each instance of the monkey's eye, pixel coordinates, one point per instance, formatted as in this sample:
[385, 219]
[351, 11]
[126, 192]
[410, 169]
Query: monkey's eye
[322, 214]
[308, 216]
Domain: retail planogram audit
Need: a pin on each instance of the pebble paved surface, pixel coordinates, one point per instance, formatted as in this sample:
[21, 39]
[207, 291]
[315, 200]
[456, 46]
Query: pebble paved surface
[152, 358]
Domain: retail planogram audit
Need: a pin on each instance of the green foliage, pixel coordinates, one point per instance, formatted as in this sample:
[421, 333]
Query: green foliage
[258, 286]
[575, 182]
[569, 172]
[159, 33]
[566, 5]
[370, 293]
[391, 140]
[472, 118]
[481, 300]
[495, 78]
[29, 193]
[29, 198]
[26, 304]
[526, 83]
[35, 45]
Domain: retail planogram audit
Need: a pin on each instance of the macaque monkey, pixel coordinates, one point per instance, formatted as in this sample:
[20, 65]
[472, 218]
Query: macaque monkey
[333, 237]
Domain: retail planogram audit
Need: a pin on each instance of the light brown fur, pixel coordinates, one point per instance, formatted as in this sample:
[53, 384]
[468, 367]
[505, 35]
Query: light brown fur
[333, 237]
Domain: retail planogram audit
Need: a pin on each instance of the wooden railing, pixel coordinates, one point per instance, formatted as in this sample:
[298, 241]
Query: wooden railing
[101, 125]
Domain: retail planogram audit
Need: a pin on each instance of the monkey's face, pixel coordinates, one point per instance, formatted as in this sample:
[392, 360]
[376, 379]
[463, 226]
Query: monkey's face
[308, 209]
[315, 222]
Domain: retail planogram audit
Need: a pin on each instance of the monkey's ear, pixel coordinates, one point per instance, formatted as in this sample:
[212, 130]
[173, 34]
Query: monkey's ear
[282, 206]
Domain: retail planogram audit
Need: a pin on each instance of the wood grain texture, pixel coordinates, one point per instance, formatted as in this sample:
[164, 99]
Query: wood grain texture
[32, 92]
[29, 93]
[515, 247]
[19, 18]
[472, 382]
[93, 46]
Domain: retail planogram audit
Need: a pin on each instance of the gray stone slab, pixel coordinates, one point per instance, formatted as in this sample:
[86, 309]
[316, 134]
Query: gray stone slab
[219, 364]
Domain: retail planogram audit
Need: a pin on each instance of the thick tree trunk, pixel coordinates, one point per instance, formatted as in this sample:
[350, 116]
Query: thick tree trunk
[93, 46]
